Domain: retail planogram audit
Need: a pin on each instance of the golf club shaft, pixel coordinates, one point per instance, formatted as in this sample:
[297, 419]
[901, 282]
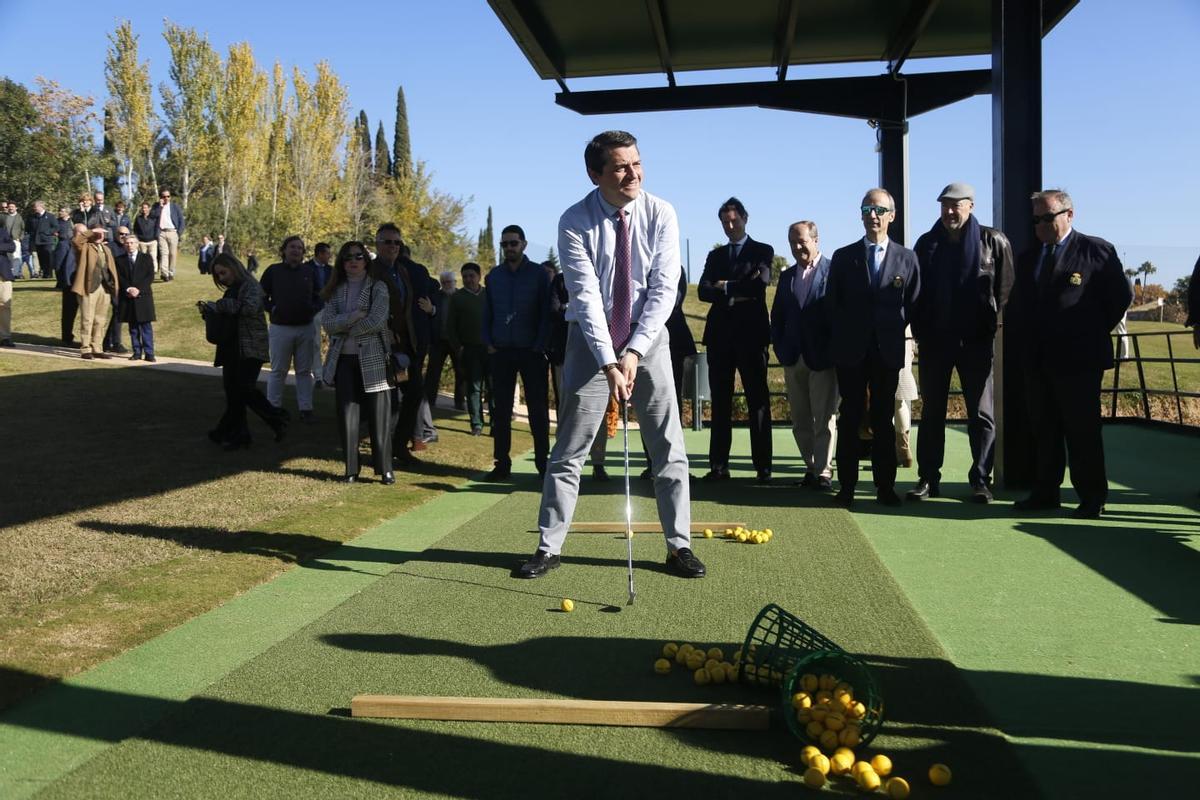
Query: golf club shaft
[628, 500]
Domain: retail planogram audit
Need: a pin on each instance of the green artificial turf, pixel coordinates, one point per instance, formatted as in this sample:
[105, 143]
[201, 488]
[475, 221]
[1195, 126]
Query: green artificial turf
[451, 621]
[1082, 638]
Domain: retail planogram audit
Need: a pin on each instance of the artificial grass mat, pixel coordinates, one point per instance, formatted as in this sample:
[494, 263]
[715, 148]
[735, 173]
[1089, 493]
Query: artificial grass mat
[450, 621]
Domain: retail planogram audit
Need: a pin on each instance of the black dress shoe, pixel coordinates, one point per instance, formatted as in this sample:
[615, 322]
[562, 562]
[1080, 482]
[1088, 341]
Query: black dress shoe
[923, 489]
[88, 356]
[844, 497]
[599, 473]
[1088, 511]
[647, 475]
[1035, 503]
[808, 480]
[717, 474]
[388, 479]
[980, 493]
[350, 478]
[151, 358]
[888, 497]
[497, 474]
[541, 563]
[684, 564]
[7, 343]
[136, 357]
[763, 477]
[100, 355]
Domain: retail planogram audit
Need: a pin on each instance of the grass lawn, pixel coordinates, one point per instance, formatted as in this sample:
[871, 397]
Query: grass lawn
[121, 520]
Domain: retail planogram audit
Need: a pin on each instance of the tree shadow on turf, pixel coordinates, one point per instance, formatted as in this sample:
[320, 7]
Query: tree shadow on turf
[1158, 566]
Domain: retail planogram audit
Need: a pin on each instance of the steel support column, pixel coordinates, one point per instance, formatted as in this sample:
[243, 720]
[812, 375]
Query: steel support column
[893, 173]
[1016, 173]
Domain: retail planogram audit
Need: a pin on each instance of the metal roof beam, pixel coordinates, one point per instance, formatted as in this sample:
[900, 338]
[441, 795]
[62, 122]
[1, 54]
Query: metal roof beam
[655, 11]
[873, 97]
[789, 15]
[906, 36]
[532, 34]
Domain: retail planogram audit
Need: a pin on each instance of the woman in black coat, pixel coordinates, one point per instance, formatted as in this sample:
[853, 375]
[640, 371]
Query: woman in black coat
[135, 275]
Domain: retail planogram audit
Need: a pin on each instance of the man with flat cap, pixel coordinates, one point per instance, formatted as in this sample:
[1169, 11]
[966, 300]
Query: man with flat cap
[872, 291]
[1070, 292]
[966, 275]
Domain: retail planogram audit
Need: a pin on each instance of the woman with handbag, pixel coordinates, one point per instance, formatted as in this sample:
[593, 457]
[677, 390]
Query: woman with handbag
[359, 360]
[237, 325]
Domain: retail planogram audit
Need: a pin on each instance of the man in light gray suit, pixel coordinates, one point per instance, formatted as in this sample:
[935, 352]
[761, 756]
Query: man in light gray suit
[619, 248]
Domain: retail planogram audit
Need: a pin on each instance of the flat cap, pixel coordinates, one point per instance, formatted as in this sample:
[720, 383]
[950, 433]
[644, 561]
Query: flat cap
[958, 191]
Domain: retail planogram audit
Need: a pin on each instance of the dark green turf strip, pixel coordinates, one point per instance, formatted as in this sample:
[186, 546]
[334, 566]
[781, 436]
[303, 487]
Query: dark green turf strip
[451, 621]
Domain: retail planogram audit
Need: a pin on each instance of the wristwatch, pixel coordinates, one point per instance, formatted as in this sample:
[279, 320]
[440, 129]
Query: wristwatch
[607, 367]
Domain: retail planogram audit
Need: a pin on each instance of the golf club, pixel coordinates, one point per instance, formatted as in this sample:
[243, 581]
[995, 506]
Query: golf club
[628, 501]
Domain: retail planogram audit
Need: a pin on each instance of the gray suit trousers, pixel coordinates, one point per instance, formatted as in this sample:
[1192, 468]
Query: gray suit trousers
[584, 402]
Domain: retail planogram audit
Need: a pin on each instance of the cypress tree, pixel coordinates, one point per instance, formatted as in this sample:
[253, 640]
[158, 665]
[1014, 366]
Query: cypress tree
[486, 248]
[401, 146]
[364, 138]
[383, 161]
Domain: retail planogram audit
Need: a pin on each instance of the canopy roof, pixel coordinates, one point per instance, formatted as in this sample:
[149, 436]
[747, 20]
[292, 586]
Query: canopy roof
[575, 38]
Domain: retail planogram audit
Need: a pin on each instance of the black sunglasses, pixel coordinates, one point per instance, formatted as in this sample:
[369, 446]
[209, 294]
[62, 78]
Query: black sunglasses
[1040, 218]
[510, 244]
[356, 256]
[395, 242]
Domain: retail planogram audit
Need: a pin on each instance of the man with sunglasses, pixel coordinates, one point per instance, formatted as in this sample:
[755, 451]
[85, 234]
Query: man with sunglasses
[967, 274]
[168, 227]
[872, 292]
[1070, 293]
[516, 327]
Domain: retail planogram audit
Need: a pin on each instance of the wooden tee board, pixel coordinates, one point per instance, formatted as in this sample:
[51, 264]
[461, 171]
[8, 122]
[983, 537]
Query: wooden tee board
[726, 716]
[647, 527]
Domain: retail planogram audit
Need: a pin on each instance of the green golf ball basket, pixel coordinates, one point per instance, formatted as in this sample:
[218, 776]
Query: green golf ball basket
[780, 648]
[848, 668]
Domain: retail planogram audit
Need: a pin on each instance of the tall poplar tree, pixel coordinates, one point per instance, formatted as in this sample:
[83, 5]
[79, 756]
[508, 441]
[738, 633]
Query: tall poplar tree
[401, 146]
[316, 127]
[195, 71]
[238, 123]
[277, 139]
[127, 114]
[362, 139]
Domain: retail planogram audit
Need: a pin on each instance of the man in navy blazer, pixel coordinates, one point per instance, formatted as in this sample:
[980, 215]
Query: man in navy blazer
[800, 331]
[872, 291]
[736, 335]
[1070, 292]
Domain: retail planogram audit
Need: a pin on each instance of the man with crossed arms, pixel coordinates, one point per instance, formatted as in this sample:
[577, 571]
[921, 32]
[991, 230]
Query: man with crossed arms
[619, 249]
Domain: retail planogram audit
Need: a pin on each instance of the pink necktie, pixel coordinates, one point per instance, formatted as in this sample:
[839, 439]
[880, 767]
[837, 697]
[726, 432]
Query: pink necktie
[620, 324]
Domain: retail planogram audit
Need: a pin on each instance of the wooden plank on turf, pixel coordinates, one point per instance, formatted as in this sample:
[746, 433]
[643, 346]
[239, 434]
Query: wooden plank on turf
[647, 527]
[564, 712]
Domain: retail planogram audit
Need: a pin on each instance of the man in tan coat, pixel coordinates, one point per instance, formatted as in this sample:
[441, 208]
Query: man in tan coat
[96, 284]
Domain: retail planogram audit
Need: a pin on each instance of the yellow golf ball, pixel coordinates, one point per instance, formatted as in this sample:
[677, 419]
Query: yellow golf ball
[567, 605]
[670, 649]
[808, 752]
[882, 765]
[868, 780]
[708, 534]
[814, 778]
[939, 775]
[897, 788]
[662, 666]
[701, 677]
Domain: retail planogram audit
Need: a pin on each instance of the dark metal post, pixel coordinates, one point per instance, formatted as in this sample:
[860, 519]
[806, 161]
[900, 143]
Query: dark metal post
[1016, 173]
[893, 173]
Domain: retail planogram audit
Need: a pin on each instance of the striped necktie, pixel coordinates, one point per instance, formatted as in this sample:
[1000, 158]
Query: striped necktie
[620, 322]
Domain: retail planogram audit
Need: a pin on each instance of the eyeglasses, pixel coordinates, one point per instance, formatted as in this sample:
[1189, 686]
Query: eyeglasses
[392, 242]
[510, 244]
[164, 197]
[1038, 219]
[879, 210]
[356, 256]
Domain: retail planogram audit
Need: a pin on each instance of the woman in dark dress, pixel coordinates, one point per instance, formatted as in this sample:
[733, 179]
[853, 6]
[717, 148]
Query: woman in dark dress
[241, 354]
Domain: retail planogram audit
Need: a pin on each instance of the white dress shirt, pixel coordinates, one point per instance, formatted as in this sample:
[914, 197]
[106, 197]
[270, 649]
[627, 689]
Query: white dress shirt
[587, 249]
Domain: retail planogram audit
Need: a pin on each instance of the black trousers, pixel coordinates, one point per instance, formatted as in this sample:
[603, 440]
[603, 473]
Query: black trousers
[352, 399]
[411, 393]
[973, 360]
[45, 254]
[1064, 412]
[240, 380]
[70, 309]
[112, 336]
[506, 363]
[853, 383]
[438, 353]
[751, 365]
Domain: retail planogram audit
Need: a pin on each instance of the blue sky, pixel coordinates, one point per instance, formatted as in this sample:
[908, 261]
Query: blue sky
[1120, 108]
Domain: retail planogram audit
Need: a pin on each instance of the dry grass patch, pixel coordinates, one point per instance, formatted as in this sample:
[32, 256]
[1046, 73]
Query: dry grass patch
[121, 521]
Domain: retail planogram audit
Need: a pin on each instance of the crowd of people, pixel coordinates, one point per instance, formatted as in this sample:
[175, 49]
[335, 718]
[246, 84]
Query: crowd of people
[843, 327]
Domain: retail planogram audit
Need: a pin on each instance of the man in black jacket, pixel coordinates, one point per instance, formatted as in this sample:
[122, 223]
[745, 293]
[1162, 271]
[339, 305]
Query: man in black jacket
[43, 235]
[871, 295]
[736, 335]
[966, 273]
[1070, 292]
